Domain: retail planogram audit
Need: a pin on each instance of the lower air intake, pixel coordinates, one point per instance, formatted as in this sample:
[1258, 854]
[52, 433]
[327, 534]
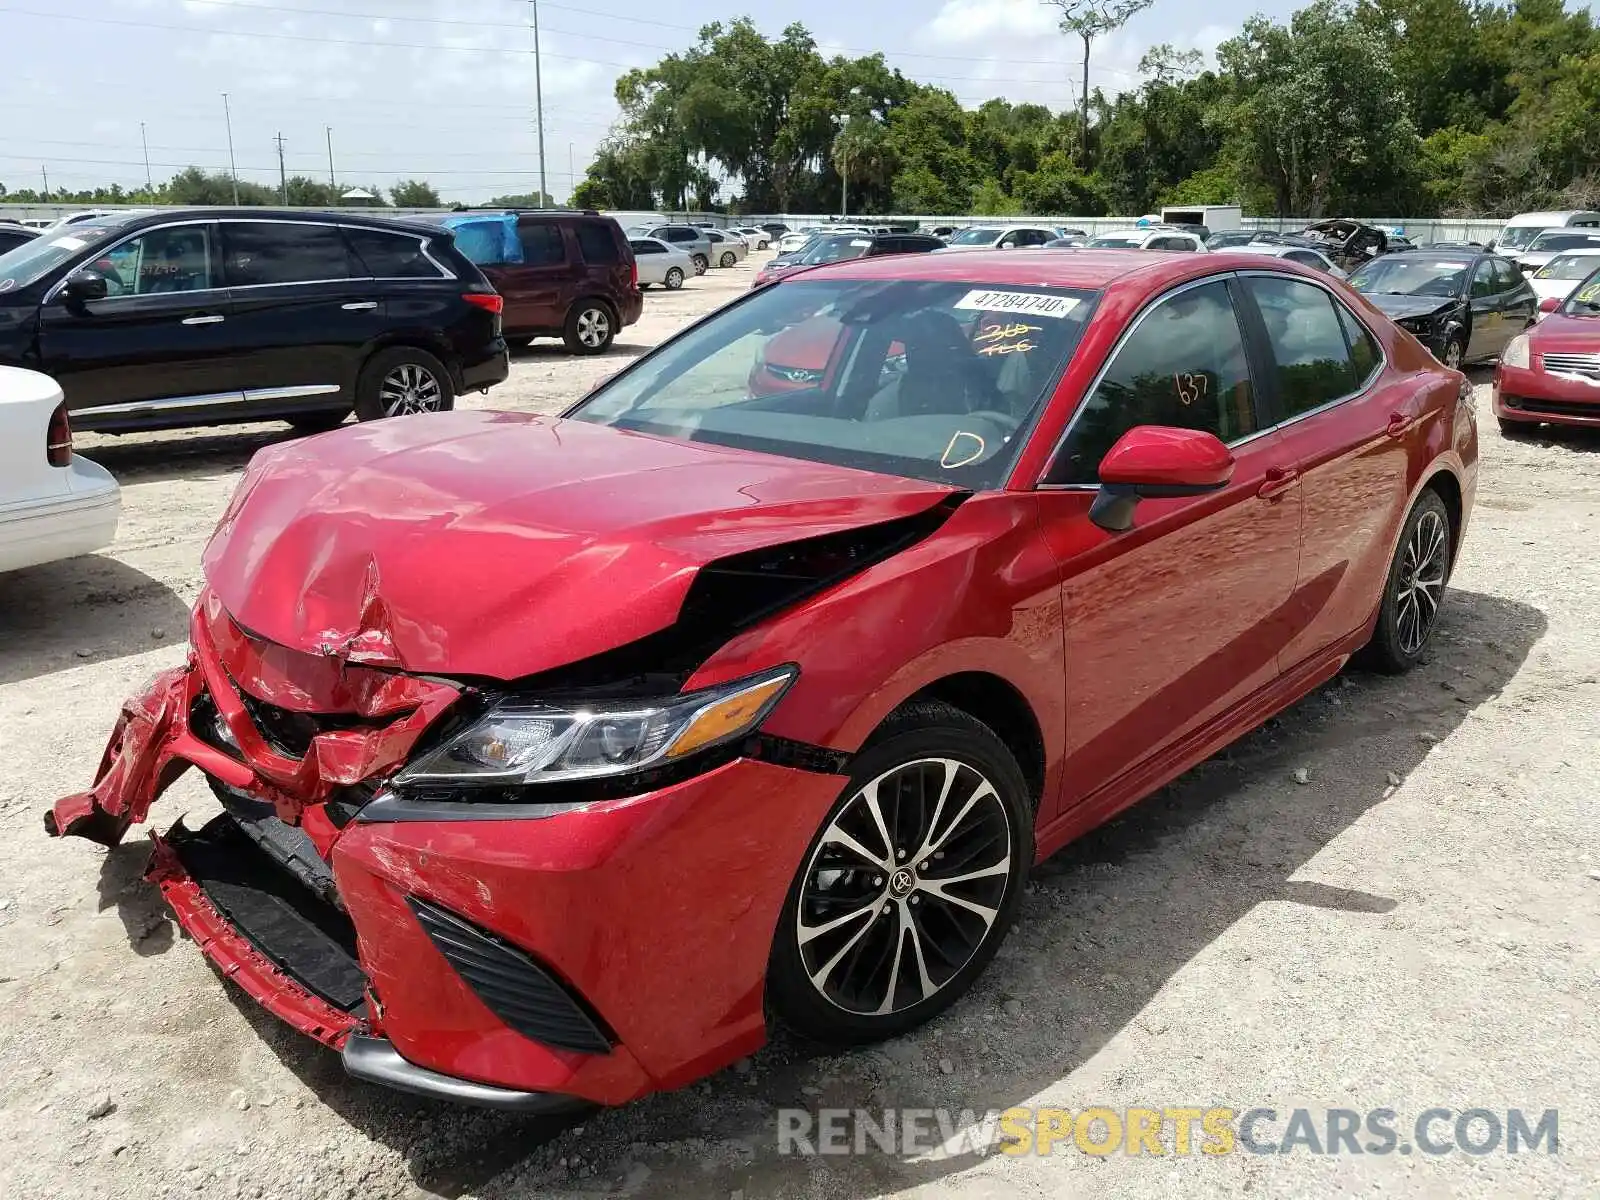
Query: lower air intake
[511, 984]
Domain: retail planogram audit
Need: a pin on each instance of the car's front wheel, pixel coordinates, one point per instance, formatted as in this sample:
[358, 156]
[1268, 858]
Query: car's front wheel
[1414, 590]
[1455, 352]
[700, 264]
[402, 381]
[909, 887]
[674, 279]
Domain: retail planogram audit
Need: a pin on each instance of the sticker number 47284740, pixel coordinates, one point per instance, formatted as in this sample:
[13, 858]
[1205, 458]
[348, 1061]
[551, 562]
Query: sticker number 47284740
[1032, 304]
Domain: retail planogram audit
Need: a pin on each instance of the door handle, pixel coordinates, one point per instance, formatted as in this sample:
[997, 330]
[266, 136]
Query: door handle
[1399, 425]
[360, 306]
[1279, 480]
[209, 319]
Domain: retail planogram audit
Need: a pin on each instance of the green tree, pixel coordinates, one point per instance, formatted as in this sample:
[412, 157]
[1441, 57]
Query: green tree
[414, 193]
[1088, 20]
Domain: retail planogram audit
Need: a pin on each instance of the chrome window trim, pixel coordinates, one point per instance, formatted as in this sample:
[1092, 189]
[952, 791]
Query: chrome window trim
[421, 239]
[1236, 273]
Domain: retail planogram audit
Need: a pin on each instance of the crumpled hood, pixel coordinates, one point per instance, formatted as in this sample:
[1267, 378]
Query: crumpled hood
[503, 544]
[1399, 307]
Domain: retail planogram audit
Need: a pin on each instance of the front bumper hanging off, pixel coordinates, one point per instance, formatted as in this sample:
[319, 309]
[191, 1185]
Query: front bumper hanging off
[522, 964]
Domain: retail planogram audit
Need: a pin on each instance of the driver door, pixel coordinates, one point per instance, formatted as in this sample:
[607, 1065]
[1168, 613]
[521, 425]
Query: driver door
[160, 338]
[1179, 620]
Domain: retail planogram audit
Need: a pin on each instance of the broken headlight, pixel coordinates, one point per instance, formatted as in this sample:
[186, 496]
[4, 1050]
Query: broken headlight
[522, 742]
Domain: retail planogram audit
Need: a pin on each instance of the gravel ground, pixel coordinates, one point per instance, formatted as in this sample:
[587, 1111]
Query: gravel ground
[1386, 898]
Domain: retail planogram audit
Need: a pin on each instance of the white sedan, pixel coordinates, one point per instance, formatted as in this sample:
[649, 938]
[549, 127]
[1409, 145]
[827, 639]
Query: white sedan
[53, 503]
[661, 262]
[1556, 279]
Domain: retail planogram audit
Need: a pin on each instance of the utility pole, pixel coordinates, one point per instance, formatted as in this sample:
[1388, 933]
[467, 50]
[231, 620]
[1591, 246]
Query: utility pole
[844, 182]
[233, 169]
[538, 97]
[144, 141]
[572, 175]
[46, 174]
[283, 175]
[328, 129]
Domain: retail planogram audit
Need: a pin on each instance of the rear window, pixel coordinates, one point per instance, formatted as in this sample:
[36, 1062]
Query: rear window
[261, 253]
[391, 255]
[597, 243]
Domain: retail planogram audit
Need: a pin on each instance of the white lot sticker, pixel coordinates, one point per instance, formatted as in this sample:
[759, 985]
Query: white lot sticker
[1447, 266]
[69, 243]
[861, 242]
[1031, 303]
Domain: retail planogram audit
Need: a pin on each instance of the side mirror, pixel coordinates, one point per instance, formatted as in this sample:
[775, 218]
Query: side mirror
[84, 286]
[1549, 304]
[1154, 461]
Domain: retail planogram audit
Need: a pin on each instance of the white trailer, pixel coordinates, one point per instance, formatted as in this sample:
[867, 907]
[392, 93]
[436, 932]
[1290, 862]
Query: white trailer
[1215, 217]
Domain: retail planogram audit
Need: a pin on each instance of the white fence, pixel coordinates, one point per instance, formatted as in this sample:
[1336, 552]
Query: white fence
[1421, 231]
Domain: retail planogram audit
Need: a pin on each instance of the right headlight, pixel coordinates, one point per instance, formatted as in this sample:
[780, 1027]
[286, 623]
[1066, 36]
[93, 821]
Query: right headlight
[526, 742]
[1516, 352]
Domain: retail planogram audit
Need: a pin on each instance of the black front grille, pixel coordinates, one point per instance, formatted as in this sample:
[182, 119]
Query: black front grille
[512, 985]
[291, 733]
[1555, 408]
[308, 938]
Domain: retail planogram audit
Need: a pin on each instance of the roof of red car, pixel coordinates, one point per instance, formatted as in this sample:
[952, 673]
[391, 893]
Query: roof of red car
[1043, 268]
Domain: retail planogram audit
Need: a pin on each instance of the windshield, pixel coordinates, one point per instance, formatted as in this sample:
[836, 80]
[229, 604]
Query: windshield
[975, 237]
[1518, 237]
[834, 249]
[930, 380]
[1559, 239]
[32, 261]
[1411, 275]
[1568, 266]
[1584, 300]
[1118, 241]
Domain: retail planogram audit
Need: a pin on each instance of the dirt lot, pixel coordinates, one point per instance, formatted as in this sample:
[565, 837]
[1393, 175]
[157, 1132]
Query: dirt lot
[1387, 898]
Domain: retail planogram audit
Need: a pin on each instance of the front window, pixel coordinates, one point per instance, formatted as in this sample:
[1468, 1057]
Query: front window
[33, 260]
[1555, 239]
[828, 250]
[1518, 237]
[1411, 275]
[1568, 266]
[975, 237]
[179, 258]
[1584, 300]
[931, 380]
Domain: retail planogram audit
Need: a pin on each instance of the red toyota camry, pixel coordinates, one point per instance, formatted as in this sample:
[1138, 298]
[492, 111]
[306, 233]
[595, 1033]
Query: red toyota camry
[1551, 374]
[556, 755]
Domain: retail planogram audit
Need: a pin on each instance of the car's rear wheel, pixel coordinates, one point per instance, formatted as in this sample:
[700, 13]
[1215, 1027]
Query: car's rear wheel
[590, 327]
[909, 887]
[403, 381]
[674, 279]
[700, 264]
[729, 258]
[1414, 590]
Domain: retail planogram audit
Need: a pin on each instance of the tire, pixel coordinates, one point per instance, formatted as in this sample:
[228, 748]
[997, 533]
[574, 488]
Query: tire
[591, 327]
[700, 264]
[762, 245]
[1398, 641]
[400, 381]
[317, 422]
[903, 767]
[674, 279]
[729, 258]
[1455, 352]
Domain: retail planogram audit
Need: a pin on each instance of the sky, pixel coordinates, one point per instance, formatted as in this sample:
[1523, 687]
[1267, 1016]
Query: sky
[444, 89]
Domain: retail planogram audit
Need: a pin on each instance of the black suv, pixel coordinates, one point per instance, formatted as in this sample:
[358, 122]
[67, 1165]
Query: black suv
[218, 316]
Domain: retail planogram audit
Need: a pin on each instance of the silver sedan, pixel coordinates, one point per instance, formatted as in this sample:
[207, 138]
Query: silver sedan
[661, 262]
[727, 248]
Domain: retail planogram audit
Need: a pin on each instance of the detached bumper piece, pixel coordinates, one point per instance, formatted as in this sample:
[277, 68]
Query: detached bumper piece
[306, 938]
[512, 985]
[375, 1060]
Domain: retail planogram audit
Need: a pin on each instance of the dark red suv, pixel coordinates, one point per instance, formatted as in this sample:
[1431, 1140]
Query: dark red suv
[564, 273]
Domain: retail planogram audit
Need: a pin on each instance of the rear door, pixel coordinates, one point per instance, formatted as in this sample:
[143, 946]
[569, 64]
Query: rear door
[539, 289]
[305, 309]
[1334, 407]
[160, 340]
